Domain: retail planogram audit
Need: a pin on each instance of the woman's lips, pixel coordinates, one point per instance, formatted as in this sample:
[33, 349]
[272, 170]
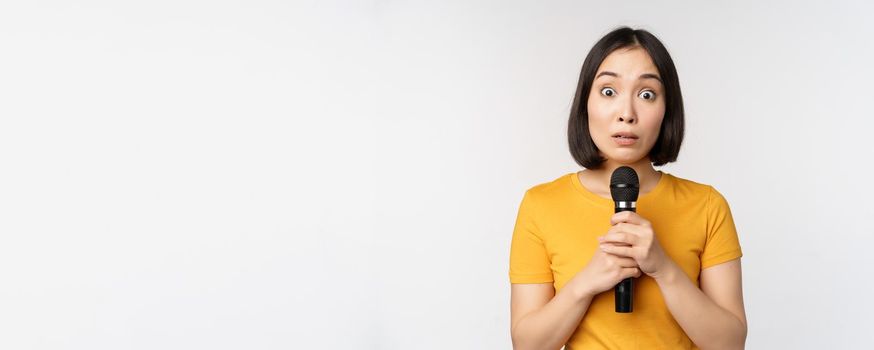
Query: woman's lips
[624, 141]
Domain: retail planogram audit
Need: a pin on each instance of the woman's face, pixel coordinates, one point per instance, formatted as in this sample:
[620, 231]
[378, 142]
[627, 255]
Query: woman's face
[626, 106]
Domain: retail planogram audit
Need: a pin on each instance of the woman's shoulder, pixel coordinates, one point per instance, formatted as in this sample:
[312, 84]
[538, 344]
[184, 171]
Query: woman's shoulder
[687, 184]
[555, 190]
[694, 189]
[552, 186]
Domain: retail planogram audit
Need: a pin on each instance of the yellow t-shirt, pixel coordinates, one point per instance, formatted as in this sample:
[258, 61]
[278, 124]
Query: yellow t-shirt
[556, 235]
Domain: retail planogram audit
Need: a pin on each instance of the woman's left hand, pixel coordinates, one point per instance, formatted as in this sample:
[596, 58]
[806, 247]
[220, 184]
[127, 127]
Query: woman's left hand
[633, 236]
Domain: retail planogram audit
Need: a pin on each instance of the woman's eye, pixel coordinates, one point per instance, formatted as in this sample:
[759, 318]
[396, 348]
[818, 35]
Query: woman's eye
[646, 95]
[608, 91]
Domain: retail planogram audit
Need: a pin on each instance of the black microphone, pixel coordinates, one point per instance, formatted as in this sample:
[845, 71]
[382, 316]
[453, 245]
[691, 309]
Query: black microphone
[624, 188]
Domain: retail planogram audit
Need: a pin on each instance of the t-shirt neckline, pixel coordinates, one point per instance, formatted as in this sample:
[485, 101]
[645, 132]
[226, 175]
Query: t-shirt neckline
[575, 179]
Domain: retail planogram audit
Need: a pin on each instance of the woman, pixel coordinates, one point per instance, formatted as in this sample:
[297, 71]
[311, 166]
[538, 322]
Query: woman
[569, 249]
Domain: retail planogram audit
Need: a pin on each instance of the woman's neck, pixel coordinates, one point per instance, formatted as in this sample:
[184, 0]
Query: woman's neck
[598, 180]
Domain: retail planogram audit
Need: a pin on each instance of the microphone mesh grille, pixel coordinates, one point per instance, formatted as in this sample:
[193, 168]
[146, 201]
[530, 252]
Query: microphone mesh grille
[624, 184]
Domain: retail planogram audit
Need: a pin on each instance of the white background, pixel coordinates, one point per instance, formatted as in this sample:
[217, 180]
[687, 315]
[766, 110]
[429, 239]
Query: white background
[275, 175]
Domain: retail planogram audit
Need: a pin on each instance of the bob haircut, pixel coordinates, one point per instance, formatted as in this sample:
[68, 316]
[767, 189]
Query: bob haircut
[667, 147]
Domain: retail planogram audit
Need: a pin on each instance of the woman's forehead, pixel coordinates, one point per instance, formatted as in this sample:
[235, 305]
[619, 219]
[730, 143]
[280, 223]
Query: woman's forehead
[628, 63]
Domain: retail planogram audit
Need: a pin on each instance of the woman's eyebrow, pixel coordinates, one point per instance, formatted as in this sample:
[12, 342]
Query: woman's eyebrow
[642, 76]
[650, 76]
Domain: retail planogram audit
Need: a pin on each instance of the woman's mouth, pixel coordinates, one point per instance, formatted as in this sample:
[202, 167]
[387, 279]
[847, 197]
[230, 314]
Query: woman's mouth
[623, 140]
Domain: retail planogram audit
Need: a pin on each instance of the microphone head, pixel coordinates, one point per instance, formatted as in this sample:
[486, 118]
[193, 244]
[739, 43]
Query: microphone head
[624, 185]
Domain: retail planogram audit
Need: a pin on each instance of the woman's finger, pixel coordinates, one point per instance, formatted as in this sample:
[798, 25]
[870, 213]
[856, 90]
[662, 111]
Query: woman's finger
[619, 237]
[628, 228]
[626, 262]
[629, 217]
[618, 250]
[631, 272]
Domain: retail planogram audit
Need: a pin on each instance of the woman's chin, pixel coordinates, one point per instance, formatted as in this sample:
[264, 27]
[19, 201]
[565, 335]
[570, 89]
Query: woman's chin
[624, 159]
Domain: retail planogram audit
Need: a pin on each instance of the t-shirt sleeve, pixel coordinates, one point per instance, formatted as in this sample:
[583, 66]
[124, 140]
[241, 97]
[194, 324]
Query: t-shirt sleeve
[722, 243]
[529, 261]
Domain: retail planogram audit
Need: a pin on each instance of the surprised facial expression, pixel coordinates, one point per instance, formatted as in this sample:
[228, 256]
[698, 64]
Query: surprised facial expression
[626, 105]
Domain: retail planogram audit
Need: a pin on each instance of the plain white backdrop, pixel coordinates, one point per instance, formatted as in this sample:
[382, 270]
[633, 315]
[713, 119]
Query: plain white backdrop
[326, 175]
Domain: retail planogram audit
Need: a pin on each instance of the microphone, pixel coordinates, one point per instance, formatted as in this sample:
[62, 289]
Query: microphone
[624, 188]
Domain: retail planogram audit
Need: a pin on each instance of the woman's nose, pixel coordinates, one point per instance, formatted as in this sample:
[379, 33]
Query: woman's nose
[626, 114]
[627, 118]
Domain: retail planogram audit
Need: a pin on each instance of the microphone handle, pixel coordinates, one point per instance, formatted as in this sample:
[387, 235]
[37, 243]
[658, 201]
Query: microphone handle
[624, 291]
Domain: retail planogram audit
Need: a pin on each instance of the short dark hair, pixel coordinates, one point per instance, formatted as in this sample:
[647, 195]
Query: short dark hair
[667, 147]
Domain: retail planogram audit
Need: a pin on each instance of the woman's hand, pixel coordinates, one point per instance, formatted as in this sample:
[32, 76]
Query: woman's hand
[632, 236]
[602, 273]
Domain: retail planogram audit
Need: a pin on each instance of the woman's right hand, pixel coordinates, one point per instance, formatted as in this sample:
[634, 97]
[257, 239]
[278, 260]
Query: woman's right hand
[603, 272]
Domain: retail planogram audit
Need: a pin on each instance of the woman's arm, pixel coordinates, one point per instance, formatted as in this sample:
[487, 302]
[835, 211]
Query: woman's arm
[713, 316]
[541, 321]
